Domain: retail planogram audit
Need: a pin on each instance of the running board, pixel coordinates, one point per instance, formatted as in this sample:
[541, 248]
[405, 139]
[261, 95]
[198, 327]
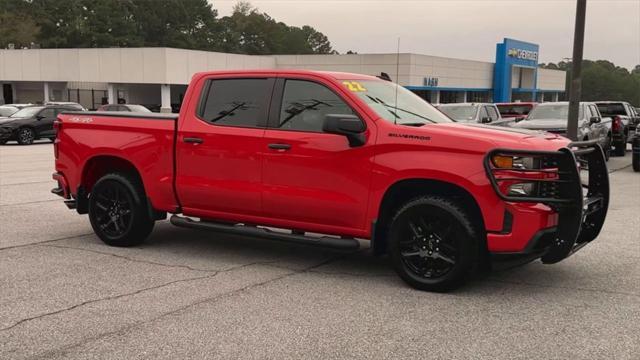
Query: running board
[253, 231]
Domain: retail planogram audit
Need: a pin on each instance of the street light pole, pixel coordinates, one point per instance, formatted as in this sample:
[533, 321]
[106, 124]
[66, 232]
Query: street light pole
[575, 90]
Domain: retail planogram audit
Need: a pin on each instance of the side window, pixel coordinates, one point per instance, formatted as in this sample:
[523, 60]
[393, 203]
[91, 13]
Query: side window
[493, 114]
[122, 108]
[48, 113]
[594, 111]
[235, 102]
[305, 104]
[483, 113]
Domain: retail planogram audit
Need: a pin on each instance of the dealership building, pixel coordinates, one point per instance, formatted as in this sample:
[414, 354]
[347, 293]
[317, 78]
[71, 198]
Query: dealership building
[158, 77]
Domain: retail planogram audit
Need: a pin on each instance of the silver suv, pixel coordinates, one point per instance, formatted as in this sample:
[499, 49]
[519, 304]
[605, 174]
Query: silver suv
[483, 113]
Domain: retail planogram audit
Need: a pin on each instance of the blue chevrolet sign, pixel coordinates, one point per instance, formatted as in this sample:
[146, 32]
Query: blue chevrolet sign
[512, 53]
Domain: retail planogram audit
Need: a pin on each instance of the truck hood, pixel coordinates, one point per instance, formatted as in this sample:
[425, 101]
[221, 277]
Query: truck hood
[543, 124]
[495, 136]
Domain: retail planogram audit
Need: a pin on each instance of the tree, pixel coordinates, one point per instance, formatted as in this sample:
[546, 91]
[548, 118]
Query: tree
[603, 80]
[17, 25]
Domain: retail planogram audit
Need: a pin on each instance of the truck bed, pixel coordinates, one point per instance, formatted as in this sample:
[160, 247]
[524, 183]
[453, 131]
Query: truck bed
[108, 139]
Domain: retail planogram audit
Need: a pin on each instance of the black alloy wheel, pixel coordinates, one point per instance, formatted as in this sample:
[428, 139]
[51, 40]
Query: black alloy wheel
[433, 244]
[118, 210]
[26, 136]
[113, 210]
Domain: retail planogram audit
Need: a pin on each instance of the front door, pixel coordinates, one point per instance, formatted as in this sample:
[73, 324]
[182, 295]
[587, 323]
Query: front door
[218, 153]
[311, 178]
[44, 122]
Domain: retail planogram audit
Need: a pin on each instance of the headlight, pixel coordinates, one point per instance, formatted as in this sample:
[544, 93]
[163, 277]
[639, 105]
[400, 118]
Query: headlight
[514, 162]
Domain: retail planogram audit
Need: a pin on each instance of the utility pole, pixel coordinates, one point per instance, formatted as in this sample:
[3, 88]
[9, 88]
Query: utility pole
[575, 90]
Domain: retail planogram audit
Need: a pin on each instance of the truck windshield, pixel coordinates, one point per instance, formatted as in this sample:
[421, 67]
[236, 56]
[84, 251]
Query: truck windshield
[545, 112]
[459, 112]
[409, 109]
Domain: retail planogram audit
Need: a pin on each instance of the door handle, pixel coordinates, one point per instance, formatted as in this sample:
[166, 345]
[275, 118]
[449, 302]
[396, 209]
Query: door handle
[193, 140]
[279, 146]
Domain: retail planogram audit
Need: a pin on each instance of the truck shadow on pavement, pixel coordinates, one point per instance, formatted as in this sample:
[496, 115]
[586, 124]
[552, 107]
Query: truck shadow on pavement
[211, 251]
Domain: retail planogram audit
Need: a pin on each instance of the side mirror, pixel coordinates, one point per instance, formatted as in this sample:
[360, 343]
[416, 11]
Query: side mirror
[594, 120]
[39, 117]
[519, 118]
[485, 120]
[348, 125]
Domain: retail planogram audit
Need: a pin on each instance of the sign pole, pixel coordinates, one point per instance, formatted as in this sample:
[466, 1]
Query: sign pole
[575, 90]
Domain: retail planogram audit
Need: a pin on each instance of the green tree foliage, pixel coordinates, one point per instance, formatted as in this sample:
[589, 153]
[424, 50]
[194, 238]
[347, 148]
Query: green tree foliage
[17, 25]
[603, 80]
[188, 24]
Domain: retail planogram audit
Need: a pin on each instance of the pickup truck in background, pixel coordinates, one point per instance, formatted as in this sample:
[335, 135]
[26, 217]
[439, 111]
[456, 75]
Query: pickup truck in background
[553, 117]
[624, 122]
[287, 155]
[515, 110]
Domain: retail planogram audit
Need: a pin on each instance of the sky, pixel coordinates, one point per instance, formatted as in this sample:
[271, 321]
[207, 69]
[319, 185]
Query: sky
[464, 29]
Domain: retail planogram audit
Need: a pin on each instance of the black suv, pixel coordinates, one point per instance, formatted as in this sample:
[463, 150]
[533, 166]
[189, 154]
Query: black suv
[31, 123]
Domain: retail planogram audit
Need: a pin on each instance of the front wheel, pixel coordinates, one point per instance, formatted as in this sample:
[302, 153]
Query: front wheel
[118, 210]
[26, 136]
[433, 244]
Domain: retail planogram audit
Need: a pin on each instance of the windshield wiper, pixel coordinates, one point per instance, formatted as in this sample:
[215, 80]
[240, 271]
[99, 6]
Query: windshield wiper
[380, 101]
[415, 124]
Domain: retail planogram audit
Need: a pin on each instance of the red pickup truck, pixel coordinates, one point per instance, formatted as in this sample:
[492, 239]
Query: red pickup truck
[324, 158]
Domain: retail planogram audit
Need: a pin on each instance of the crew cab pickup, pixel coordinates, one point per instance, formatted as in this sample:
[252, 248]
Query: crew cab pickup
[624, 122]
[328, 158]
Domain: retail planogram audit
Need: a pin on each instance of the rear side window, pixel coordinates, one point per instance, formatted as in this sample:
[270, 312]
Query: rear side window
[236, 102]
[305, 105]
[48, 113]
[493, 114]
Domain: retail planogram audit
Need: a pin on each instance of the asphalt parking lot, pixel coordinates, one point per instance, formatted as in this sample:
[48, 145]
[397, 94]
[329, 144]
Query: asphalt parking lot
[190, 294]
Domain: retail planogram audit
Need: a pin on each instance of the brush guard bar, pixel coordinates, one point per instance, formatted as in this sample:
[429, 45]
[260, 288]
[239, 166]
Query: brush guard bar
[557, 182]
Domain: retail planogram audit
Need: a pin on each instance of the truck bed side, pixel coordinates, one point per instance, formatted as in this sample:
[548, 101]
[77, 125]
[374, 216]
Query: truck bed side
[91, 144]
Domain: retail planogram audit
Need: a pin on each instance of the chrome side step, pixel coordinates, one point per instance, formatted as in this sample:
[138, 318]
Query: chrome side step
[253, 231]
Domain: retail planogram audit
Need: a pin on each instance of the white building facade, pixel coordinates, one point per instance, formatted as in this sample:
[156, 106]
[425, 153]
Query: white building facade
[158, 77]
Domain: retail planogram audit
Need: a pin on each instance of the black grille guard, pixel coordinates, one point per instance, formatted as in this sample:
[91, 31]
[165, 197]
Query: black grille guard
[582, 208]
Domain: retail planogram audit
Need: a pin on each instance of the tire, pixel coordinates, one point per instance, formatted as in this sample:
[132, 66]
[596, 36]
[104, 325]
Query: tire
[635, 158]
[25, 136]
[620, 148]
[417, 233]
[118, 210]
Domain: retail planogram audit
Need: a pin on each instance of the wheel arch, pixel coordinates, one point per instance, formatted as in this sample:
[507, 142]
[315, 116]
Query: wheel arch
[404, 190]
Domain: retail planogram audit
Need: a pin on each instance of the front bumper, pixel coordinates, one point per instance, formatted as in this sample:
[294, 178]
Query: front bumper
[7, 133]
[580, 208]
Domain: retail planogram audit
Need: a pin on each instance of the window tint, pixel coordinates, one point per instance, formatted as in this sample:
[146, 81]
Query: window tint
[493, 114]
[235, 102]
[48, 113]
[305, 104]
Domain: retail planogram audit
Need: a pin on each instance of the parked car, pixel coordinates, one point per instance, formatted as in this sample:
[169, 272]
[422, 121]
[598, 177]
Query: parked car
[635, 150]
[483, 113]
[31, 123]
[8, 110]
[553, 117]
[124, 107]
[625, 120]
[347, 155]
[67, 104]
[515, 110]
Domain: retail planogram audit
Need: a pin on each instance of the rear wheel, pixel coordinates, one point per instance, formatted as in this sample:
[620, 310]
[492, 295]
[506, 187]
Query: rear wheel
[635, 158]
[433, 244]
[118, 211]
[607, 148]
[26, 136]
[620, 148]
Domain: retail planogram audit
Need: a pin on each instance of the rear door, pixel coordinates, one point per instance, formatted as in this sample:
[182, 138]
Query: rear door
[218, 149]
[313, 179]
